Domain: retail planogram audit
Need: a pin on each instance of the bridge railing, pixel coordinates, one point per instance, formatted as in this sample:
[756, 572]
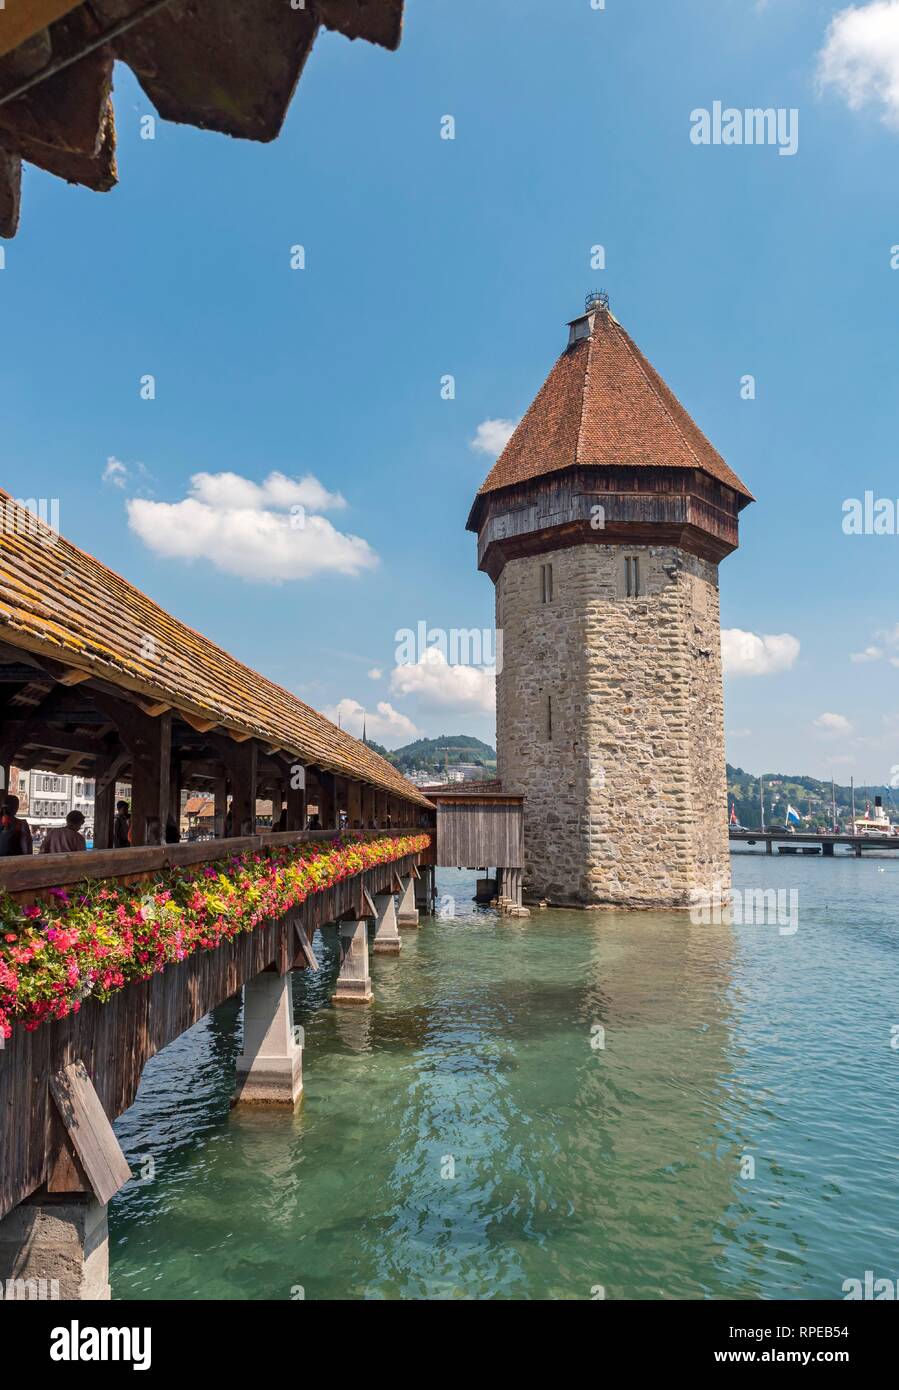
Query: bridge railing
[33, 873]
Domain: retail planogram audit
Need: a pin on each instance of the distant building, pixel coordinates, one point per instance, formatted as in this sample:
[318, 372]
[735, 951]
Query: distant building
[46, 798]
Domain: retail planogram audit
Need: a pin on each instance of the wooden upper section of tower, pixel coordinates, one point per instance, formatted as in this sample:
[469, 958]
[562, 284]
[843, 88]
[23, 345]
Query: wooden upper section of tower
[606, 452]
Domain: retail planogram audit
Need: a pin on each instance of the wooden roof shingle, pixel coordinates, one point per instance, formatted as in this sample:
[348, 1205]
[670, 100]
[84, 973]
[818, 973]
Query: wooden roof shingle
[604, 404]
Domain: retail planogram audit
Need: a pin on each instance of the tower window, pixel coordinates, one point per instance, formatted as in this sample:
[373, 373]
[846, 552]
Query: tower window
[632, 576]
[546, 583]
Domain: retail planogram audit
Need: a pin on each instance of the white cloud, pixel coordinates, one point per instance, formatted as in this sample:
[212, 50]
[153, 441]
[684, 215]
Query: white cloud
[860, 57]
[492, 436]
[441, 686]
[747, 654]
[869, 654]
[739, 733]
[229, 491]
[384, 724]
[115, 472]
[375, 673]
[833, 724]
[266, 532]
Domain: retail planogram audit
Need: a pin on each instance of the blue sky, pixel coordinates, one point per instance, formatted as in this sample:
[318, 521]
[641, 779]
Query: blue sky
[426, 257]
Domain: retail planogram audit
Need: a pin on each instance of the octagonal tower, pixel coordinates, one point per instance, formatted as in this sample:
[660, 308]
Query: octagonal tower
[602, 525]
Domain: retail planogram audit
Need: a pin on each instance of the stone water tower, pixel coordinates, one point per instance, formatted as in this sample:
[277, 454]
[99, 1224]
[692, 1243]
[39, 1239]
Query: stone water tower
[602, 525]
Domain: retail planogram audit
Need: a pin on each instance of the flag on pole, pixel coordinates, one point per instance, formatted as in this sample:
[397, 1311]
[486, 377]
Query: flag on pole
[793, 816]
[733, 814]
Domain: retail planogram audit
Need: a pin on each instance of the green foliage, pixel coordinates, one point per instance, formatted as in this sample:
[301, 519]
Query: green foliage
[808, 795]
[437, 753]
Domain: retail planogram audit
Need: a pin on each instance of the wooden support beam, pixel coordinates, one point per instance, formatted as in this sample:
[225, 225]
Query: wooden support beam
[89, 1130]
[296, 805]
[220, 796]
[369, 902]
[197, 722]
[327, 801]
[175, 785]
[104, 813]
[313, 790]
[154, 707]
[22, 21]
[304, 948]
[60, 740]
[15, 733]
[278, 792]
[149, 741]
[107, 778]
[72, 675]
[240, 763]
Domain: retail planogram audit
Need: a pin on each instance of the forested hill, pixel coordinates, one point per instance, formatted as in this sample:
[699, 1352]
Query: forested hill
[436, 754]
[807, 795]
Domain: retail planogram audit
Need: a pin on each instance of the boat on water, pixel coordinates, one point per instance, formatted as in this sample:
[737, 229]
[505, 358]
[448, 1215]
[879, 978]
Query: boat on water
[877, 823]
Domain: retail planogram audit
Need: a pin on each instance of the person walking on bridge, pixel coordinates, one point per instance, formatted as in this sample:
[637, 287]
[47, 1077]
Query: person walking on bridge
[68, 839]
[121, 826]
[15, 833]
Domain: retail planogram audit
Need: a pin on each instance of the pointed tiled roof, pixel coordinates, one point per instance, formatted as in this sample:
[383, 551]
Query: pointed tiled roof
[604, 405]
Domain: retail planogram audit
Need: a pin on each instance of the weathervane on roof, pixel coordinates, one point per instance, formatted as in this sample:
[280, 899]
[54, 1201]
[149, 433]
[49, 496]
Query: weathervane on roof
[596, 299]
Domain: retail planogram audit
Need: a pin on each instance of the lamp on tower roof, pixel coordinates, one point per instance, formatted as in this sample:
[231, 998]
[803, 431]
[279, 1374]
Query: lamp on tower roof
[597, 302]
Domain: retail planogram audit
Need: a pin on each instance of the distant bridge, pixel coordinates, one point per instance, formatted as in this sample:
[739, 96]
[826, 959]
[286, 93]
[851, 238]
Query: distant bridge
[810, 842]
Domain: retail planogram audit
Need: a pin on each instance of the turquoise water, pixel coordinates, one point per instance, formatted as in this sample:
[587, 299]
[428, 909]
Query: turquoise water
[466, 1137]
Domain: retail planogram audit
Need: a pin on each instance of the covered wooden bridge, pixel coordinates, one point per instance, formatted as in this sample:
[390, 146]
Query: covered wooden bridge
[97, 680]
[224, 65]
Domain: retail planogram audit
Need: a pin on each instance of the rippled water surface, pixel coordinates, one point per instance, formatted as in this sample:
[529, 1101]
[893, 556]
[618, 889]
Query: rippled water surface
[466, 1137]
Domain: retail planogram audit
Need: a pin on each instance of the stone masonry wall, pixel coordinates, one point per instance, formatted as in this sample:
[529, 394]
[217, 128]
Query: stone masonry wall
[625, 795]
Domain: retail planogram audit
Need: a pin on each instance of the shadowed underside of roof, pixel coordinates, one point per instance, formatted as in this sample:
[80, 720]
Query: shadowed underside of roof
[58, 602]
[604, 404]
[225, 65]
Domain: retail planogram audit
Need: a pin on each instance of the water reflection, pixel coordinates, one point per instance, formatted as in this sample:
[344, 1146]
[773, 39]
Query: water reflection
[543, 1109]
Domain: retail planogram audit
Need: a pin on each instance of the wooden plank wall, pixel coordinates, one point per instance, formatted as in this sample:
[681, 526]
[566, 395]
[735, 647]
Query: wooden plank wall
[479, 834]
[670, 496]
[115, 1040]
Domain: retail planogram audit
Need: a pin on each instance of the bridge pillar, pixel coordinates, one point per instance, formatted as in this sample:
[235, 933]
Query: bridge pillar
[828, 849]
[55, 1248]
[769, 846]
[423, 893]
[387, 940]
[270, 1068]
[354, 981]
[407, 912]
